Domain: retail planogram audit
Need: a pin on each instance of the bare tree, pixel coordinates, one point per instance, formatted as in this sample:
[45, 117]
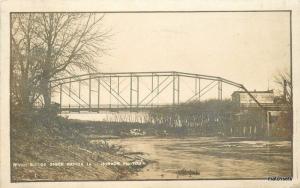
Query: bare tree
[283, 80]
[49, 44]
[24, 63]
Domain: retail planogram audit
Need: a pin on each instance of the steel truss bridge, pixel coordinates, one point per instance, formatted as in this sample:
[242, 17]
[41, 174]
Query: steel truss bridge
[94, 92]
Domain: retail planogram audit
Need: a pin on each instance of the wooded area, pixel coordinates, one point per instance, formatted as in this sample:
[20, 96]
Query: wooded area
[49, 45]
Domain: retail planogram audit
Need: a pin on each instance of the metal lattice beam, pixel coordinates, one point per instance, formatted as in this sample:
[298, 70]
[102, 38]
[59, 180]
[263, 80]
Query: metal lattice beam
[155, 90]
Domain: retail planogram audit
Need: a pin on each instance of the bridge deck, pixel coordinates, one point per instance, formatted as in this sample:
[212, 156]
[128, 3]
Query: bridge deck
[273, 107]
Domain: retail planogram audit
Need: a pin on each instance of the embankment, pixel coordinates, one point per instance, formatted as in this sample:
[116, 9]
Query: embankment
[47, 148]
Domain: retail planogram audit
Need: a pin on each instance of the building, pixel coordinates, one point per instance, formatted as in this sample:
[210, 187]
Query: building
[243, 99]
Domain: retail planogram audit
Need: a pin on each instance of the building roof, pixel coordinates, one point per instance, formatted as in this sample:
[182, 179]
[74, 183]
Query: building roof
[267, 91]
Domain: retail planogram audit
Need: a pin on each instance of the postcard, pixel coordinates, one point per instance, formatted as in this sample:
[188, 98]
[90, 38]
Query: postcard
[108, 93]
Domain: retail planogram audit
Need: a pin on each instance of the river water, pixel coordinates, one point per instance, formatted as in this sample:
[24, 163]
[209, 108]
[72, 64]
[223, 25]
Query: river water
[212, 157]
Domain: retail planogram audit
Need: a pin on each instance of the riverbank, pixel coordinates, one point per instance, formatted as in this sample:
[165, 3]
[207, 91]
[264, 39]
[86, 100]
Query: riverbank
[47, 148]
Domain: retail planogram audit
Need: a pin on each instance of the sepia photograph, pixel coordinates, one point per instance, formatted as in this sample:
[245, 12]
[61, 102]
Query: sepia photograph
[150, 96]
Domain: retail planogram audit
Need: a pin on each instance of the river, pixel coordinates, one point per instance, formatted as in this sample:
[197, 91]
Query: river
[212, 157]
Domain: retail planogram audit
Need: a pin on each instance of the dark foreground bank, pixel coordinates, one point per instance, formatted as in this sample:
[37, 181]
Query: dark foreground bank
[47, 148]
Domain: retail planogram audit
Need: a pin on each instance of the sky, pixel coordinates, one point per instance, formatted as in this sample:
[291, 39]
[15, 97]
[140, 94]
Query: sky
[245, 47]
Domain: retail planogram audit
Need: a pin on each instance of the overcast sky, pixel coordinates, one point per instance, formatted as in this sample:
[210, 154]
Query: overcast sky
[247, 48]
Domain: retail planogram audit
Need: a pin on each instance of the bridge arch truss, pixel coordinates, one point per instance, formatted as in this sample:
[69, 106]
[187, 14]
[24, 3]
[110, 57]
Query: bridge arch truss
[132, 96]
